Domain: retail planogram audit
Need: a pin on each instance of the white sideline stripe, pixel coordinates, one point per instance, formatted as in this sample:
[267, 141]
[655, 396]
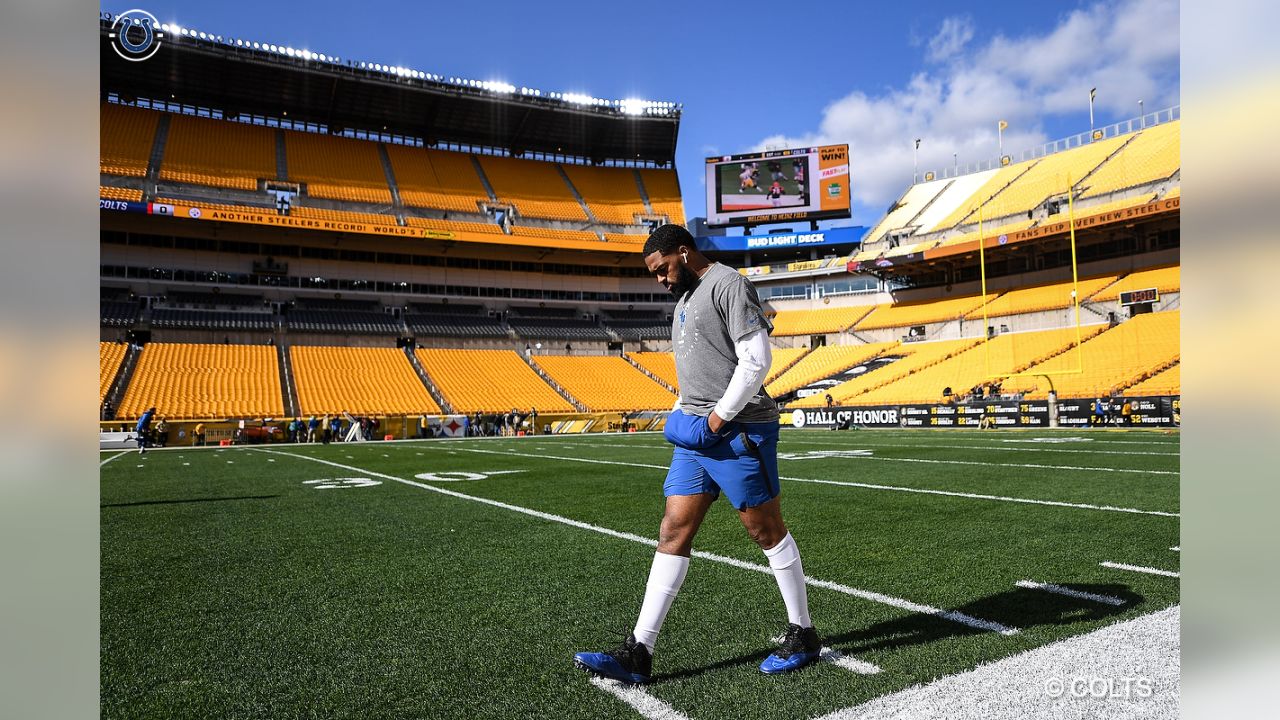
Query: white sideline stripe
[1002, 448]
[1034, 466]
[839, 659]
[113, 457]
[1140, 568]
[869, 486]
[881, 598]
[1016, 687]
[1060, 590]
[642, 702]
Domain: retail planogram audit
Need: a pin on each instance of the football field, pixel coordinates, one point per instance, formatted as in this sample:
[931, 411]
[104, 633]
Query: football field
[456, 578]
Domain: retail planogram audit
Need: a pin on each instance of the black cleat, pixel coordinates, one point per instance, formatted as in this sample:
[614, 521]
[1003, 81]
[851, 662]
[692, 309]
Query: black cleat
[629, 663]
[800, 646]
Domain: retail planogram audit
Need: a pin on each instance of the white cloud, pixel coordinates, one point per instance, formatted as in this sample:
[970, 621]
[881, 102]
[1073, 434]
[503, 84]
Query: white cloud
[955, 33]
[1128, 50]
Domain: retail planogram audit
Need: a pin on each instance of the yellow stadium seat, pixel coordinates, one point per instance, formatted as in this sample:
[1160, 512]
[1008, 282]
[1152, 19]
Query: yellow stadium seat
[1165, 279]
[914, 357]
[125, 136]
[817, 322]
[489, 381]
[904, 315]
[610, 192]
[535, 188]
[186, 381]
[661, 364]
[341, 215]
[1153, 155]
[337, 168]
[1053, 296]
[663, 188]
[825, 362]
[1165, 382]
[606, 383]
[436, 179]
[1109, 361]
[110, 355]
[218, 153]
[120, 193]
[358, 380]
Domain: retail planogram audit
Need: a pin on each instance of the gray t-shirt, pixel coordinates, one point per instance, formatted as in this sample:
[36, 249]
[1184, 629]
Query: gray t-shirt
[722, 309]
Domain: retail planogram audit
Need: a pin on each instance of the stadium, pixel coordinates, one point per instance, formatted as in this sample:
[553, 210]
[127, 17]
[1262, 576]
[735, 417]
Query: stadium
[402, 347]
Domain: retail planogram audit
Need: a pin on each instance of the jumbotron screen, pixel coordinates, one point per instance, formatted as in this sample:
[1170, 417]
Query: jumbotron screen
[779, 185]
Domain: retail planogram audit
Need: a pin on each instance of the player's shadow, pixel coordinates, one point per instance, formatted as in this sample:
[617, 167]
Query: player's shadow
[184, 501]
[1021, 608]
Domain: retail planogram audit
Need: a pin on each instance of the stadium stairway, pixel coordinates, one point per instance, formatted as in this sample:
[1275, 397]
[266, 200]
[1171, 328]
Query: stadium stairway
[282, 157]
[123, 376]
[288, 388]
[646, 371]
[484, 179]
[391, 180]
[644, 194]
[157, 150]
[577, 195]
[426, 380]
[578, 405]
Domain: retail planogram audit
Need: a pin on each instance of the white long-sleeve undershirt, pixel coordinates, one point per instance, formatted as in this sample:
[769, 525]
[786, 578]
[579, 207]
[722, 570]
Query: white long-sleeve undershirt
[754, 359]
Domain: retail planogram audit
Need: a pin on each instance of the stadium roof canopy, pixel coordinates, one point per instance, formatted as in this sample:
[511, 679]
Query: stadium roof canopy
[351, 95]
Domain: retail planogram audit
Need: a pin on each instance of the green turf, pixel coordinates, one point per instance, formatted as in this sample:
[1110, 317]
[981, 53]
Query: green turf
[231, 588]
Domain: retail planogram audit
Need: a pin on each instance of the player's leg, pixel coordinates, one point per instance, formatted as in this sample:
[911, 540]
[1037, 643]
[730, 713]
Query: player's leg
[746, 469]
[689, 494]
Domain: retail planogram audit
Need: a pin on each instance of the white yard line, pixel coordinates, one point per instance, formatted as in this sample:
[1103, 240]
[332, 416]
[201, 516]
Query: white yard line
[113, 457]
[1140, 568]
[1176, 548]
[849, 483]
[870, 595]
[853, 665]
[1080, 594]
[640, 700]
[1137, 660]
[1000, 448]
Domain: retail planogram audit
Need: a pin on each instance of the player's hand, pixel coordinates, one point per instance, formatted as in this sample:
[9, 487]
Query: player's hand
[715, 422]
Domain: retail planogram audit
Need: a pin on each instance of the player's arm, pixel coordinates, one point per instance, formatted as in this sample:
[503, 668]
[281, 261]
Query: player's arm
[754, 359]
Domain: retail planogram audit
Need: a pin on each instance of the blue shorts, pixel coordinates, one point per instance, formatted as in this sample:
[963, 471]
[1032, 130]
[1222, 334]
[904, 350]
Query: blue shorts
[748, 478]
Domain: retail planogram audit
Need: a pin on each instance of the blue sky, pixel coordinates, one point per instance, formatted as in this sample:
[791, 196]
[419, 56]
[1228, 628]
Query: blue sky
[875, 75]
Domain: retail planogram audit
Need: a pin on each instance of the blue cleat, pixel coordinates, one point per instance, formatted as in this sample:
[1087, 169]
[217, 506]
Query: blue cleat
[800, 647]
[630, 663]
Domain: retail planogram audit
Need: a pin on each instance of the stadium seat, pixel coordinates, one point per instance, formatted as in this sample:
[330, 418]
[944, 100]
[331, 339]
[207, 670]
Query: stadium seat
[606, 383]
[1110, 361]
[661, 364]
[218, 153]
[663, 188]
[610, 192]
[1153, 155]
[1039, 298]
[817, 322]
[914, 357]
[341, 215]
[825, 362]
[436, 179]
[1165, 382]
[337, 168]
[110, 356]
[120, 193]
[489, 381]
[984, 362]
[454, 225]
[358, 380]
[535, 188]
[185, 381]
[784, 358]
[908, 314]
[125, 135]
[1165, 279]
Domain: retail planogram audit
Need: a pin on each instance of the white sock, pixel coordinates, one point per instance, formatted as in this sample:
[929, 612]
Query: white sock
[784, 558]
[665, 578]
